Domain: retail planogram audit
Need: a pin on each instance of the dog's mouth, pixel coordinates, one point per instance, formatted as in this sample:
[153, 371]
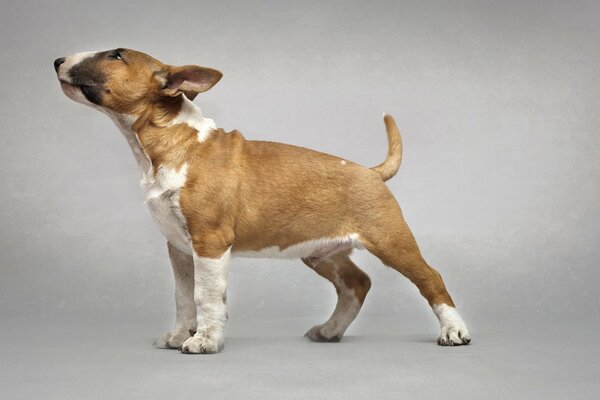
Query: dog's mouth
[69, 88]
[64, 83]
[67, 85]
[72, 91]
[80, 92]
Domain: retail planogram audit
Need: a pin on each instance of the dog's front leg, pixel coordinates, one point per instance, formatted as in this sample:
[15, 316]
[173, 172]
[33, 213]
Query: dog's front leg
[210, 280]
[185, 322]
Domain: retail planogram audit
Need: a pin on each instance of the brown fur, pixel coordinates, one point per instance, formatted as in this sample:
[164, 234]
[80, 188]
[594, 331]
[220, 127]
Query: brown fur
[250, 195]
[352, 276]
[261, 194]
[390, 166]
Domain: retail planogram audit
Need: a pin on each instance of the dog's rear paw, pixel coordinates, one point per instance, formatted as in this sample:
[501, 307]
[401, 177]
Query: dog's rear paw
[173, 340]
[454, 335]
[454, 330]
[318, 333]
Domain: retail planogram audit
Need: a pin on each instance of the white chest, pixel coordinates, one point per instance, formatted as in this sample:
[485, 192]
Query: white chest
[162, 199]
[161, 189]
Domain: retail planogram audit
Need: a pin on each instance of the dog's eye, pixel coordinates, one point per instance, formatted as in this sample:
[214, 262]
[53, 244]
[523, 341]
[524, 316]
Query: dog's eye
[115, 55]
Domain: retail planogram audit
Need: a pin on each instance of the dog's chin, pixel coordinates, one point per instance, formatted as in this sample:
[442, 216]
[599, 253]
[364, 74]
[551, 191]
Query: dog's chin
[74, 93]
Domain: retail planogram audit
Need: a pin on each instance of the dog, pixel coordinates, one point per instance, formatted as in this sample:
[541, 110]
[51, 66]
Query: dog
[215, 194]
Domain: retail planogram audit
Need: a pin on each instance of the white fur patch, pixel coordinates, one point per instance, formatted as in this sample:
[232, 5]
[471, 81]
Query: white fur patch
[210, 279]
[166, 213]
[162, 198]
[70, 62]
[318, 248]
[161, 190]
[454, 331]
[164, 180]
[71, 91]
[191, 115]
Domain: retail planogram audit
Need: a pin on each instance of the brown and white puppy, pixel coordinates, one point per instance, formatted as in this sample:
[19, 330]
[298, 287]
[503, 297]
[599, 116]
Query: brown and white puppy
[215, 194]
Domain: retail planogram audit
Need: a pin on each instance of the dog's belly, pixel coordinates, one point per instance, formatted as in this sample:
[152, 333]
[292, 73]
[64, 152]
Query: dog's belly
[311, 249]
[167, 215]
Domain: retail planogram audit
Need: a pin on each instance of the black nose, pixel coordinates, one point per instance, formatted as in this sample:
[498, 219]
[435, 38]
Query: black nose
[58, 62]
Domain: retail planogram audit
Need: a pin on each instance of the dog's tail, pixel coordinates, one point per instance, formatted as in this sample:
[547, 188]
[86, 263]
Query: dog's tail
[390, 166]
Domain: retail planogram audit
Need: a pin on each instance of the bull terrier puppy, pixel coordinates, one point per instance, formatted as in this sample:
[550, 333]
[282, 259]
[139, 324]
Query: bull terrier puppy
[215, 194]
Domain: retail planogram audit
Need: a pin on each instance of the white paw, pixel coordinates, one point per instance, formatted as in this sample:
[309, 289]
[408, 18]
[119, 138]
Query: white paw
[320, 333]
[173, 340]
[454, 330]
[454, 336]
[203, 344]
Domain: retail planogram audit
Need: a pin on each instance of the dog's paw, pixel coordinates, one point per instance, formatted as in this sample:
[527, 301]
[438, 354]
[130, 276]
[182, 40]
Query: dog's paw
[454, 330]
[454, 335]
[320, 333]
[173, 340]
[203, 344]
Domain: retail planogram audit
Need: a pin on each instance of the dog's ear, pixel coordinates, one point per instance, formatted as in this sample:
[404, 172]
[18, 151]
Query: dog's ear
[189, 79]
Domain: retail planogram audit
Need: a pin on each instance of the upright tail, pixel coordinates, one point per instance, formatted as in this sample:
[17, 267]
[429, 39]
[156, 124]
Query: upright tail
[390, 166]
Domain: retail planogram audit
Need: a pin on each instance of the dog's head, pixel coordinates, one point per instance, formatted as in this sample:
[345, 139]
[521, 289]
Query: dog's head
[126, 81]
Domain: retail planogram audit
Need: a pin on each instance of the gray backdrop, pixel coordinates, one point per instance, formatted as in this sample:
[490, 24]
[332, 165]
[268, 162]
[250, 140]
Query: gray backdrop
[497, 104]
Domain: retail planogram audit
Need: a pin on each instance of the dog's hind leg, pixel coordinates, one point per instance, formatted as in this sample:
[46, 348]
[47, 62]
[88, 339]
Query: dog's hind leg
[351, 285]
[395, 246]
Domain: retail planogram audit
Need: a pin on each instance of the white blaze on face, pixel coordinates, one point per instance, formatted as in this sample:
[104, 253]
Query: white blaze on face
[73, 92]
[70, 62]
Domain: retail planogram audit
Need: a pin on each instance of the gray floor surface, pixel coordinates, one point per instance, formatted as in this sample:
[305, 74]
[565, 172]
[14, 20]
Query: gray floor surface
[101, 359]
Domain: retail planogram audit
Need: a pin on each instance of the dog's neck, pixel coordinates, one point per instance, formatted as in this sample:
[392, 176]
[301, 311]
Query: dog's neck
[161, 134]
